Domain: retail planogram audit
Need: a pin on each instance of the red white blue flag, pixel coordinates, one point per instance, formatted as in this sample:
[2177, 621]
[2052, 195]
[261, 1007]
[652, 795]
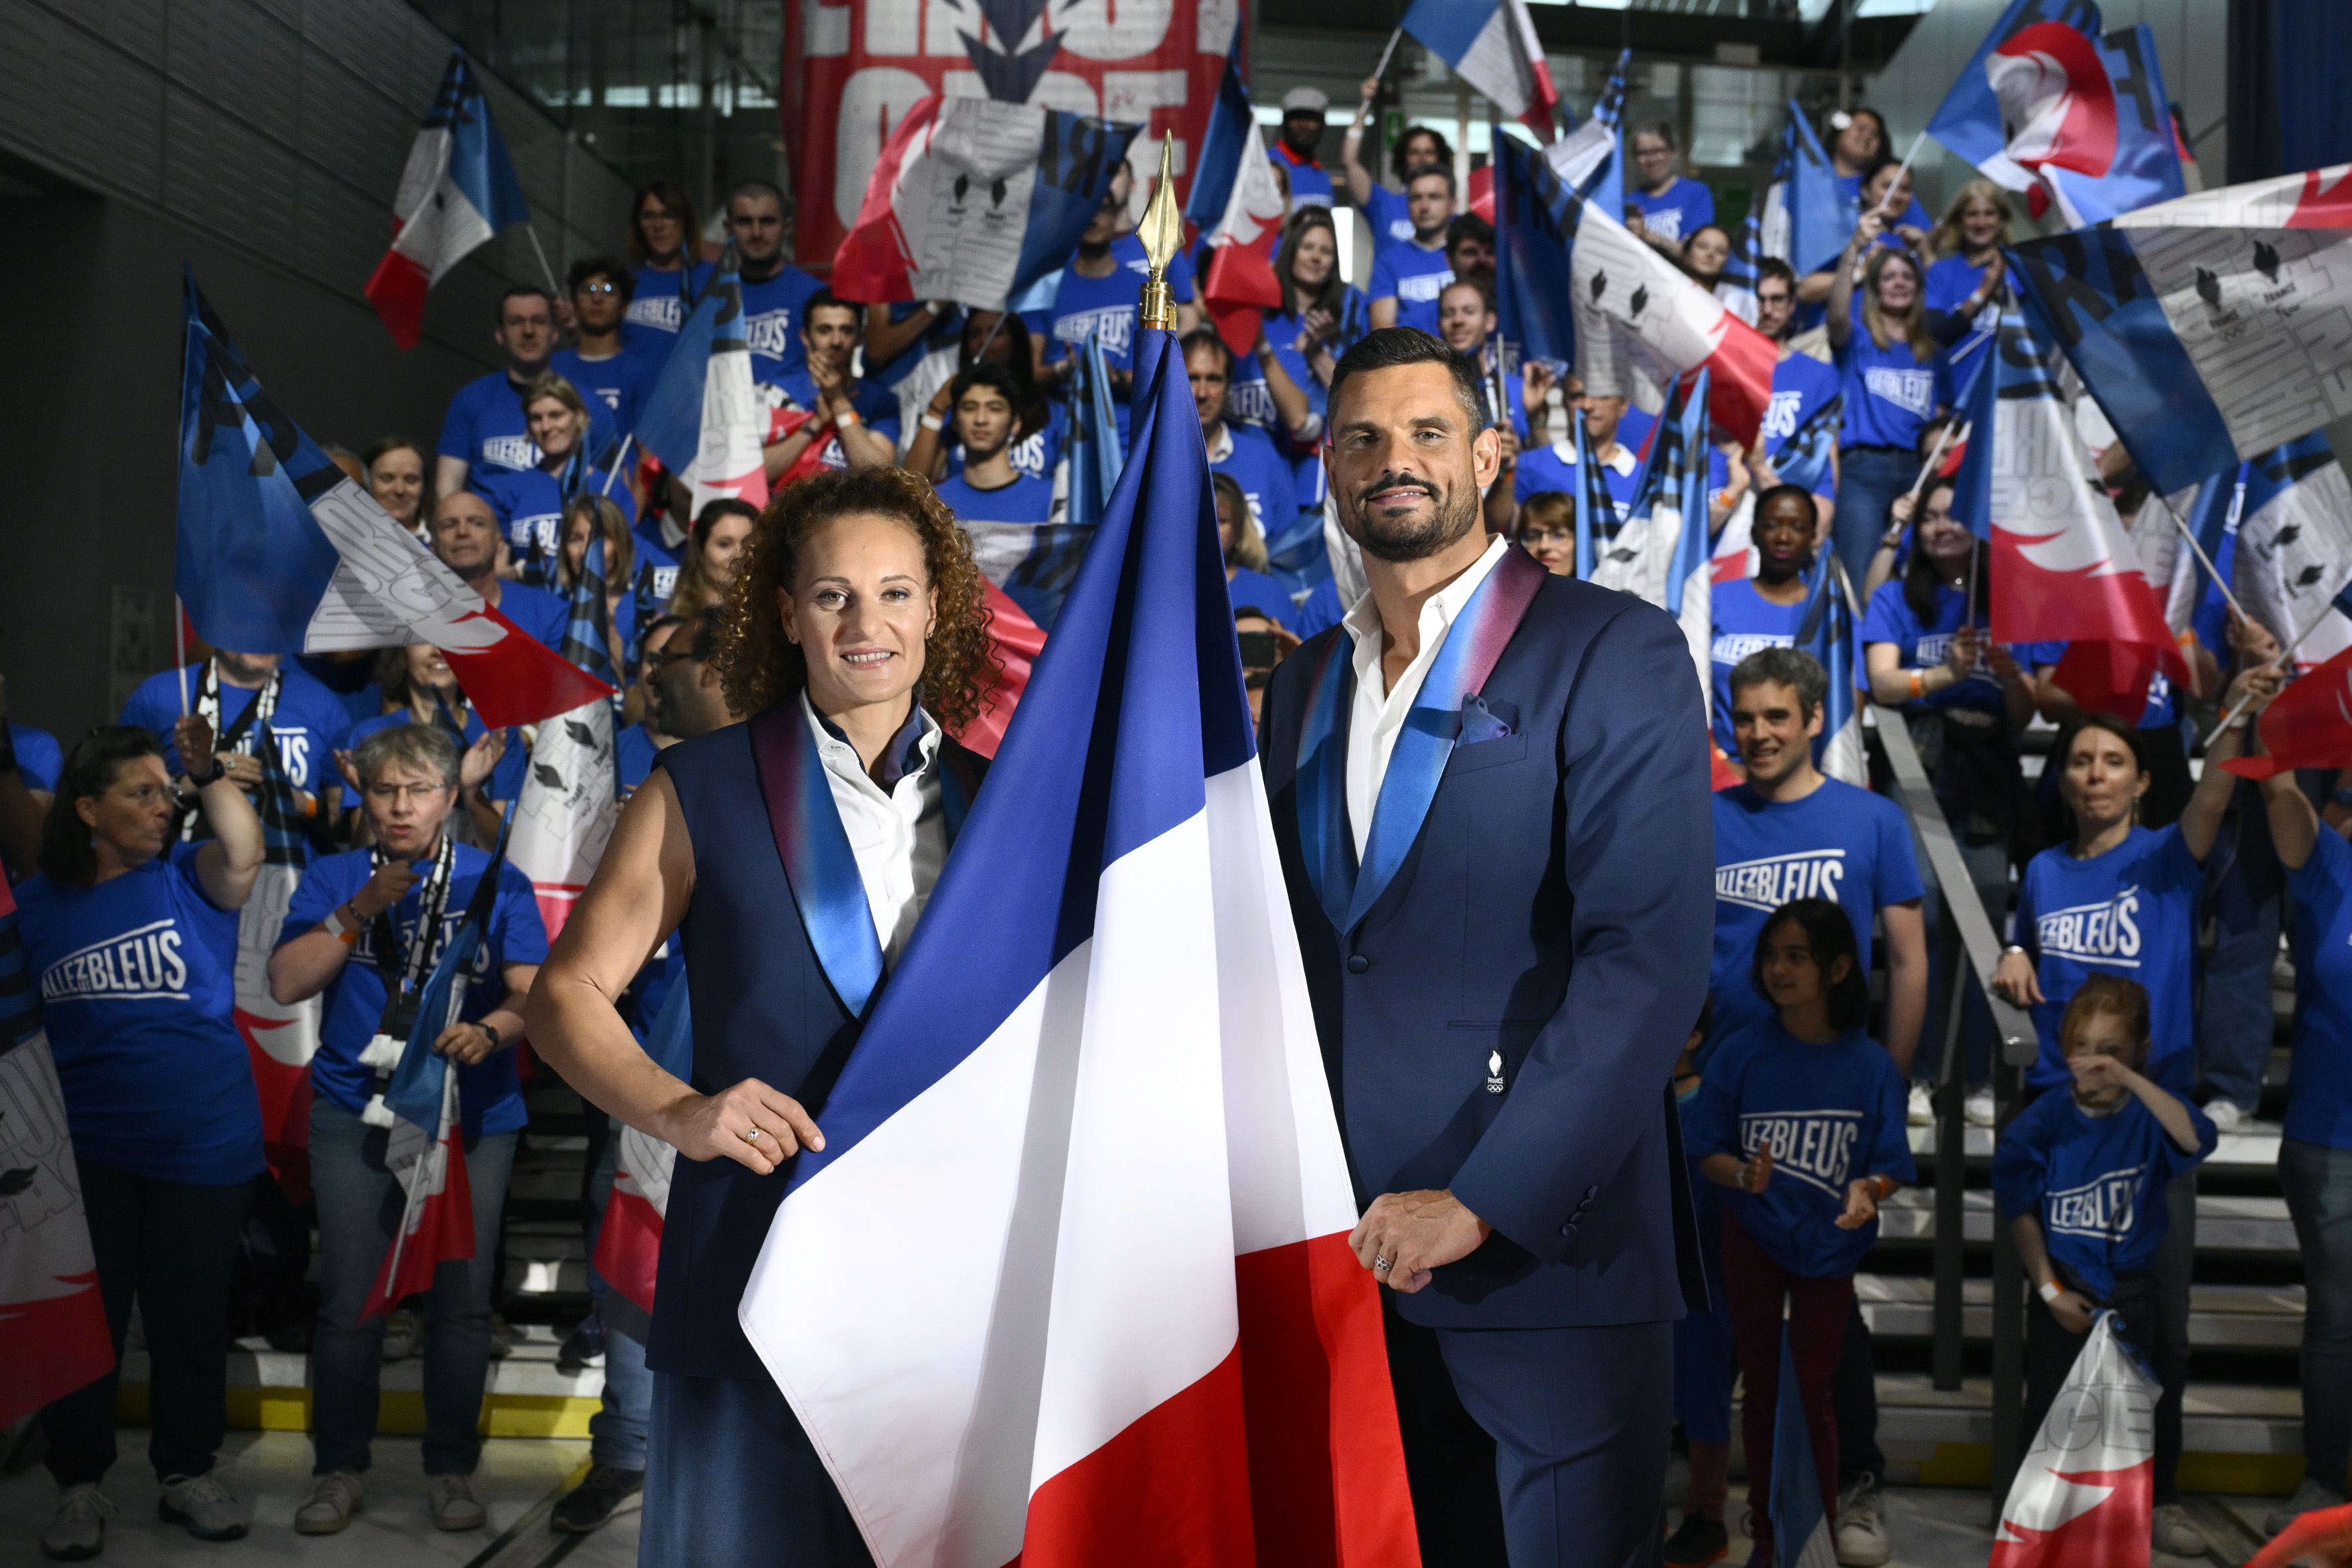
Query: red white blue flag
[1145, 1339]
[458, 190]
[703, 419]
[1491, 45]
[1239, 208]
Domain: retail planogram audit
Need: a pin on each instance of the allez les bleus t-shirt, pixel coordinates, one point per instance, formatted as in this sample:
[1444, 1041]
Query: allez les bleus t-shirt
[2095, 1180]
[2130, 912]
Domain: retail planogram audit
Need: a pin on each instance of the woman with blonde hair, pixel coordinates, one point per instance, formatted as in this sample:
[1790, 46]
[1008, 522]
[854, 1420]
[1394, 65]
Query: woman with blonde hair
[1247, 578]
[795, 851]
[1895, 380]
[530, 502]
[587, 517]
[1963, 290]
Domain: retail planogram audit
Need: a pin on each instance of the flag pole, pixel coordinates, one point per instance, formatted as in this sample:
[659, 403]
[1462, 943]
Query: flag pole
[619, 458]
[1904, 168]
[2206, 561]
[180, 650]
[2285, 654]
[1379, 70]
[1934, 456]
[545, 270]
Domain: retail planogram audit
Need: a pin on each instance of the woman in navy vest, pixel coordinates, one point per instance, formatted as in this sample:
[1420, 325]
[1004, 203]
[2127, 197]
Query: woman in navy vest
[792, 854]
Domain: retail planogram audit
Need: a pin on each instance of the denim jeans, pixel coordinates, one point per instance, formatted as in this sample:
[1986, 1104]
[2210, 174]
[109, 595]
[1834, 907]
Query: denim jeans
[360, 1205]
[1869, 478]
[2244, 888]
[2318, 1184]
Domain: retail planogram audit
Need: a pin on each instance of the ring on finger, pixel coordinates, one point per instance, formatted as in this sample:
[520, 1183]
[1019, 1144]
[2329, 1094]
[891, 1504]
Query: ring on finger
[753, 1136]
[1382, 1265]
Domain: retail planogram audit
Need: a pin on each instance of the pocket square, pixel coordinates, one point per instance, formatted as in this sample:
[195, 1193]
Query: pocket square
[1481, 721]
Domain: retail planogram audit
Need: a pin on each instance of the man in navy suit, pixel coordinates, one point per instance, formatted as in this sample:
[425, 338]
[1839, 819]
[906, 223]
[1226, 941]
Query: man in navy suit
[1490, 790]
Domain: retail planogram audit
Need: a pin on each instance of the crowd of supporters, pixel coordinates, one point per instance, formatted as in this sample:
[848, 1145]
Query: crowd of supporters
[2144, 897]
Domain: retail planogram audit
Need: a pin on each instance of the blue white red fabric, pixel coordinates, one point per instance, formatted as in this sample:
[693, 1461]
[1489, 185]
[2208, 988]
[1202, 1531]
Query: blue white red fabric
[1151, 1413]
[457, 191]
[53, 1332]
[628, 1241]
[1491, 45]
[1239, 206]
[1827, 632]
[2189, 321]
[1807, 216]
[279, 551]
[1640, 317]
[2048, 107]
[701, 416]
[974, 200]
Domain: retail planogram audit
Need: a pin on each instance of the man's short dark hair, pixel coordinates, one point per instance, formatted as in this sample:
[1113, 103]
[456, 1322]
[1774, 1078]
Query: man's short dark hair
[1773, 267]
[1784, 666]
[517, 292]
[784, 204]
[1421, 171]
[610, 268]
[1392, 348]
[825, 298]
[1207, 338]
[990, 373]
[1469, 226]
[1478, 280]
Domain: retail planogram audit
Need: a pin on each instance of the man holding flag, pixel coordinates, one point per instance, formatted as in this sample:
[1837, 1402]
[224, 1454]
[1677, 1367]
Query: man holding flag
[1490, 789]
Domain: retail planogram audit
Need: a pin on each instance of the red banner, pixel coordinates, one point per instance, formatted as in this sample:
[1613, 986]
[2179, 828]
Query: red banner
[852, 71]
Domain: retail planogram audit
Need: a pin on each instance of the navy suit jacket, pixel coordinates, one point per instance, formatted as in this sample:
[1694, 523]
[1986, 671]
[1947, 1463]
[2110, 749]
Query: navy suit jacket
[1558, 907]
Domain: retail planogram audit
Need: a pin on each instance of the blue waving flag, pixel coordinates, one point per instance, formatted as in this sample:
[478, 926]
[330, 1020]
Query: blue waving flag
[479, 165]
[1821, 219]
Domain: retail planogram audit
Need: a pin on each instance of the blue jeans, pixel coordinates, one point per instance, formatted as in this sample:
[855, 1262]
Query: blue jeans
[2243, 884]
[360, 1205]
[1869, 478]
[2318, 1184]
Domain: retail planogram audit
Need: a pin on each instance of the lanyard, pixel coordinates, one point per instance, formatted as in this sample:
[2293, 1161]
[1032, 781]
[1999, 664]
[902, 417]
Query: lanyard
[404, 974]
[237, 737]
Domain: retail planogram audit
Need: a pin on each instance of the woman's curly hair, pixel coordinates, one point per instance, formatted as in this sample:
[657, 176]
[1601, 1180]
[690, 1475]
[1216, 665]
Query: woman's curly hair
[760, 667]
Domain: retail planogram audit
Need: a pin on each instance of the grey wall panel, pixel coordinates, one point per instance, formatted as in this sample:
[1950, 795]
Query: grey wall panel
[239, 60]
[70, 101]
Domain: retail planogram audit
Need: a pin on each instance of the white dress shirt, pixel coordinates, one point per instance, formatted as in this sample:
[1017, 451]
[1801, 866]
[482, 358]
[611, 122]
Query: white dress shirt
[898, 835]
[1378, 716]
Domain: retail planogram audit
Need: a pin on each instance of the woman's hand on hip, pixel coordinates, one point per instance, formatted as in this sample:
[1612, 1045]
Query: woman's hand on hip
[751, 1124]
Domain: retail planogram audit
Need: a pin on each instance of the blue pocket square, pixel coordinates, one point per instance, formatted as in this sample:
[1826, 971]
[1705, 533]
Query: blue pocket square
[1482, 723]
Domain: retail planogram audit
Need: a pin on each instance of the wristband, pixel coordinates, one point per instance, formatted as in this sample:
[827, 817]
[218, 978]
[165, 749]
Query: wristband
[2053, 1291]
[844, 419]
[210, 779]
[1919, 683]
[497, 1039]
[934, 424]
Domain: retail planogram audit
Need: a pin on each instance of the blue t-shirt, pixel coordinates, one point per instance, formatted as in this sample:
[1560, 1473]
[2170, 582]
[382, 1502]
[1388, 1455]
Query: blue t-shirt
[1553, 468]
[1106, 306]
[1264, 476]
[876, 406]
[657, 307]
[1038, 452]
[39, 758]
[505, 779]
[1801, 385]
[1888, 393]
[615, 388]
[1388, 215]
[1025, 500]
[305, 721]
[633, 753]
[1913, 217]
[1949, 283]
[530, 508]
[1321, 609]
[543, 615]
[1251, 401]
[1891, 619]
[1676, 213]
[2319, 1087]
[772, 323]
[2132, 913]
[1745, 622]
[484, 425]
[138, 982]
[1831, 1114]
[1839, 842]
[2163, 708]
[1413, 278]
[2096, 1181]
[1310, 182]
[1249, 589]
[487, 1091]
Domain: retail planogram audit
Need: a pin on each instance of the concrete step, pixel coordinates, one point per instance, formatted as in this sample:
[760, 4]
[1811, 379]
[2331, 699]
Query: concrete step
[2223, 1224]
[2255, 1149]
[2221, 1317]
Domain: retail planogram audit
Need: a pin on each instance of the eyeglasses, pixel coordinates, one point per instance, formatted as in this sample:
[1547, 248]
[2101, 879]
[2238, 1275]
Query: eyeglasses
[599, 288]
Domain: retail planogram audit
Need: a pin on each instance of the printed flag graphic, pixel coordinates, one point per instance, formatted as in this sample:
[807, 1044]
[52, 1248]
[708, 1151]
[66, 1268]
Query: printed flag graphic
[1491, 45]
[1807, 219]
[2195, 322]
[2084, 1497]
[53, 1335]
[570, 800]
[280, 1039]
[280, 552]
[1827, 632]
[1536, 201]
[703, 419]
[1641, 321]
[974, 200]
[458, 190]
[1126, 1357]
[628, 1242]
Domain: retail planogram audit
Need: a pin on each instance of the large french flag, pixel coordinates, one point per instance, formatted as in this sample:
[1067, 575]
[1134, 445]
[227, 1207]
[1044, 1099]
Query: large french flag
[458, 190]
[1142, 1338]
[1239, 208]
[703, 418]
[974, 201]
[1491, 45]
[280, 552]
[2199, 324]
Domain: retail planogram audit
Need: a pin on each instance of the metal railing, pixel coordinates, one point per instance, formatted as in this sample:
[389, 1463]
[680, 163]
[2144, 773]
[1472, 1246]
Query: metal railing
[1968, 950]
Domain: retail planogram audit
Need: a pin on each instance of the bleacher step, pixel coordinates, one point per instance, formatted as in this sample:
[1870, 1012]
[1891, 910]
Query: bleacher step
[2221, 1317]
[2224, 1222]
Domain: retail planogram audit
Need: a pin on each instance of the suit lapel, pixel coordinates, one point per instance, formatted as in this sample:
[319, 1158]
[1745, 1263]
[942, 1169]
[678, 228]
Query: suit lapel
[815, 849]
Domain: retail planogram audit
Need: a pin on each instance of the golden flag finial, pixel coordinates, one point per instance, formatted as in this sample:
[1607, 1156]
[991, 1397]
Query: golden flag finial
[1162, 234]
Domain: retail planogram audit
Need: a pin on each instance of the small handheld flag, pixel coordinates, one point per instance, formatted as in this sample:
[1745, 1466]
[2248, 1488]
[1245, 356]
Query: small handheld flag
[458, 190]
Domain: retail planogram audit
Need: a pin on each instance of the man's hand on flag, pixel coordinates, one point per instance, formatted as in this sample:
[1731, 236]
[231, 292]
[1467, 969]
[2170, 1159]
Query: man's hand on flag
[750, 1124]
[1405, 1236]
[465, 1043]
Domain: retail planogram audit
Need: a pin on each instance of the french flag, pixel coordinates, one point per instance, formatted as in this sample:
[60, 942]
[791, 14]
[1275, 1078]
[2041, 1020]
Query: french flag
[278, 551]
[703, 418]
[1491, 45]
[628, 1240]
[53, 1334]
[2310, 726]
[1239, 208]
[458, 190]
[1641, 321]
[571, 792]
[1143, 1339]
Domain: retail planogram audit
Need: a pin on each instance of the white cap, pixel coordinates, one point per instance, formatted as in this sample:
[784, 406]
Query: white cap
[1306, 101]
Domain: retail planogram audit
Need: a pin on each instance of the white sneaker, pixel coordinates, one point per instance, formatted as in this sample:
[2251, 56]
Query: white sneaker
[2176, 1535]
[2308, 1498]
[454, 1504]
[334, 1498]
[1923, 1107]
[2226, 1117]
[204, 1505]
[1979, 1108]
[77, 1532]
[1862, 1527]
[403, 1336]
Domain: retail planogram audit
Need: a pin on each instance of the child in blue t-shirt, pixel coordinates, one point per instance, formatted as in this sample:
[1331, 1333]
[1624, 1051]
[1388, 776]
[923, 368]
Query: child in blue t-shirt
[1801, 1120]
[2082, 1177]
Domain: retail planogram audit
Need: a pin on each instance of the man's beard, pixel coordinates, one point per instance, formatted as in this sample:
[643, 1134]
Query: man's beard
[1406, 540]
